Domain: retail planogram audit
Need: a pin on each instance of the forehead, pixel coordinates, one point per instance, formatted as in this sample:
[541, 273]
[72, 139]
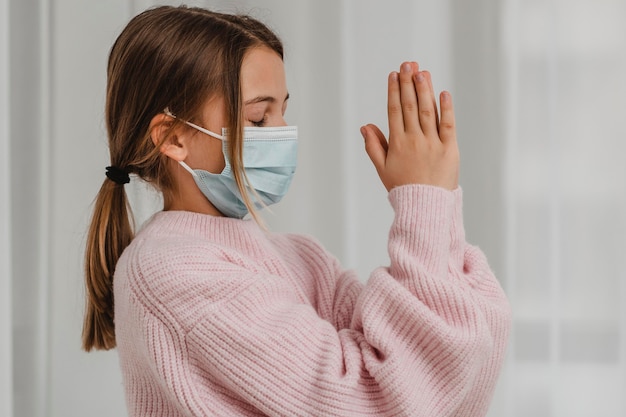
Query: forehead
[263, 74]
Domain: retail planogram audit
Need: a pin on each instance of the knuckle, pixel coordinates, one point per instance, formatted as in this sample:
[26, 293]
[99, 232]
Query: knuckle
[394, 108]
[426, 113]
[409, 106]
[446, 125]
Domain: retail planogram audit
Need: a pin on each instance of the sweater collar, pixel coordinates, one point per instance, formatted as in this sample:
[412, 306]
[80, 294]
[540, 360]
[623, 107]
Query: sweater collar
[187, 223]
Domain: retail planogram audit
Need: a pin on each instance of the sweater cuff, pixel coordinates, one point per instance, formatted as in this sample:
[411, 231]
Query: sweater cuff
[409, 201]
[427, 223]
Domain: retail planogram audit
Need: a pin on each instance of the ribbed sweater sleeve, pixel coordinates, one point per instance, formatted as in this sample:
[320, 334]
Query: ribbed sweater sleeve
[223, 335]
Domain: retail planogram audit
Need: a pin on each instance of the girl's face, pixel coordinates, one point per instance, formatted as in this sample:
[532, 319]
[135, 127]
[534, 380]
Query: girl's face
[264, 93]
[265, 96]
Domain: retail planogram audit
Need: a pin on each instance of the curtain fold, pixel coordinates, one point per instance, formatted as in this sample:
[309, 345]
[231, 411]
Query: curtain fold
[6, 326]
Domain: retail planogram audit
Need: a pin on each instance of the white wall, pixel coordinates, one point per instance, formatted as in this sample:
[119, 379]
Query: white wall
[81, 34]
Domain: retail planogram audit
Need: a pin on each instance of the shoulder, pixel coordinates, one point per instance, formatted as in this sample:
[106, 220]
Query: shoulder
[180, 277]
[177, 243]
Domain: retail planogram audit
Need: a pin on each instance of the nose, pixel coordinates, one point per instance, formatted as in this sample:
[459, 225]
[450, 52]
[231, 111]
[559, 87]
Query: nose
[281, 121]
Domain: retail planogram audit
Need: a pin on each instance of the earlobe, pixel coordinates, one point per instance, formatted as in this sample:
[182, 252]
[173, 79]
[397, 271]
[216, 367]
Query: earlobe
[167, 139]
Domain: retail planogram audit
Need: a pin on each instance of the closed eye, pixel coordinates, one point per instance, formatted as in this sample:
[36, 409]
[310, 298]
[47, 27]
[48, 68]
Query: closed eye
[259, 123]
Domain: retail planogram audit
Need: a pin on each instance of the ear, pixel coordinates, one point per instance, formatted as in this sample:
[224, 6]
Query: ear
[170, 142]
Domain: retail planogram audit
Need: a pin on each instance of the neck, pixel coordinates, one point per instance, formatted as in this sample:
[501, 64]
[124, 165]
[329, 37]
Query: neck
[188, 197]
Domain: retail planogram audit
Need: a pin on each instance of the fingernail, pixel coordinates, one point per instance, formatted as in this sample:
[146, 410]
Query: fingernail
[363, 131]
[406, 67]
[419, 77]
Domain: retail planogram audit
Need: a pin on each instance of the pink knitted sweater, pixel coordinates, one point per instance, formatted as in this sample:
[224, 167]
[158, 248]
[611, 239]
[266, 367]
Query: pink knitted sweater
[215, 317]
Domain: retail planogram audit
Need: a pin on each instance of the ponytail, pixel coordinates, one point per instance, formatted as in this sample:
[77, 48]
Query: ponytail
[109, 234]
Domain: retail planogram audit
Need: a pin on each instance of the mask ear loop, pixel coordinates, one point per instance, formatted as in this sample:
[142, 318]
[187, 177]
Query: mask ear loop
[191, 171]
[195, 126]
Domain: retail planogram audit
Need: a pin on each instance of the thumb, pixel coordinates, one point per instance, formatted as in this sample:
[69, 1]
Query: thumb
[375, 146]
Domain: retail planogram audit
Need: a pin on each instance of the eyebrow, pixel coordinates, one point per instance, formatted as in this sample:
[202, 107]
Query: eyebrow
[261, 99]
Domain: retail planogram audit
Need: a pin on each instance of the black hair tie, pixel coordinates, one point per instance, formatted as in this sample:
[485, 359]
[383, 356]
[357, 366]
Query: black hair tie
[117, 175]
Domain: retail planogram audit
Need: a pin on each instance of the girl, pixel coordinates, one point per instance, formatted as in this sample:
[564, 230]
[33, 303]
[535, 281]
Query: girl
[214, 316]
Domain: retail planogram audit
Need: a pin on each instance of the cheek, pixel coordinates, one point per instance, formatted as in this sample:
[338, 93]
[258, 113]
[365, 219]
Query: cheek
[207, 154]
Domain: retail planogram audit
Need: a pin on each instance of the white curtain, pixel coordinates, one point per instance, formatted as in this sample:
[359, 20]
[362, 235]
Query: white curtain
[565, 192]
[539, 92]
[6, 368]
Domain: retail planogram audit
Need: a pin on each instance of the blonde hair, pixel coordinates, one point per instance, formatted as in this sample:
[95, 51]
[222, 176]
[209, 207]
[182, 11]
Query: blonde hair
[166, 57]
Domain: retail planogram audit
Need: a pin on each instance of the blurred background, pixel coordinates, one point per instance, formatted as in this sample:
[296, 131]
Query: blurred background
[540, 95]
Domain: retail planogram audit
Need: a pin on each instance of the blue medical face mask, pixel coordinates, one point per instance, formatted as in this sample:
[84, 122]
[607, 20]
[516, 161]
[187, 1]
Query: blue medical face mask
[269, 160]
